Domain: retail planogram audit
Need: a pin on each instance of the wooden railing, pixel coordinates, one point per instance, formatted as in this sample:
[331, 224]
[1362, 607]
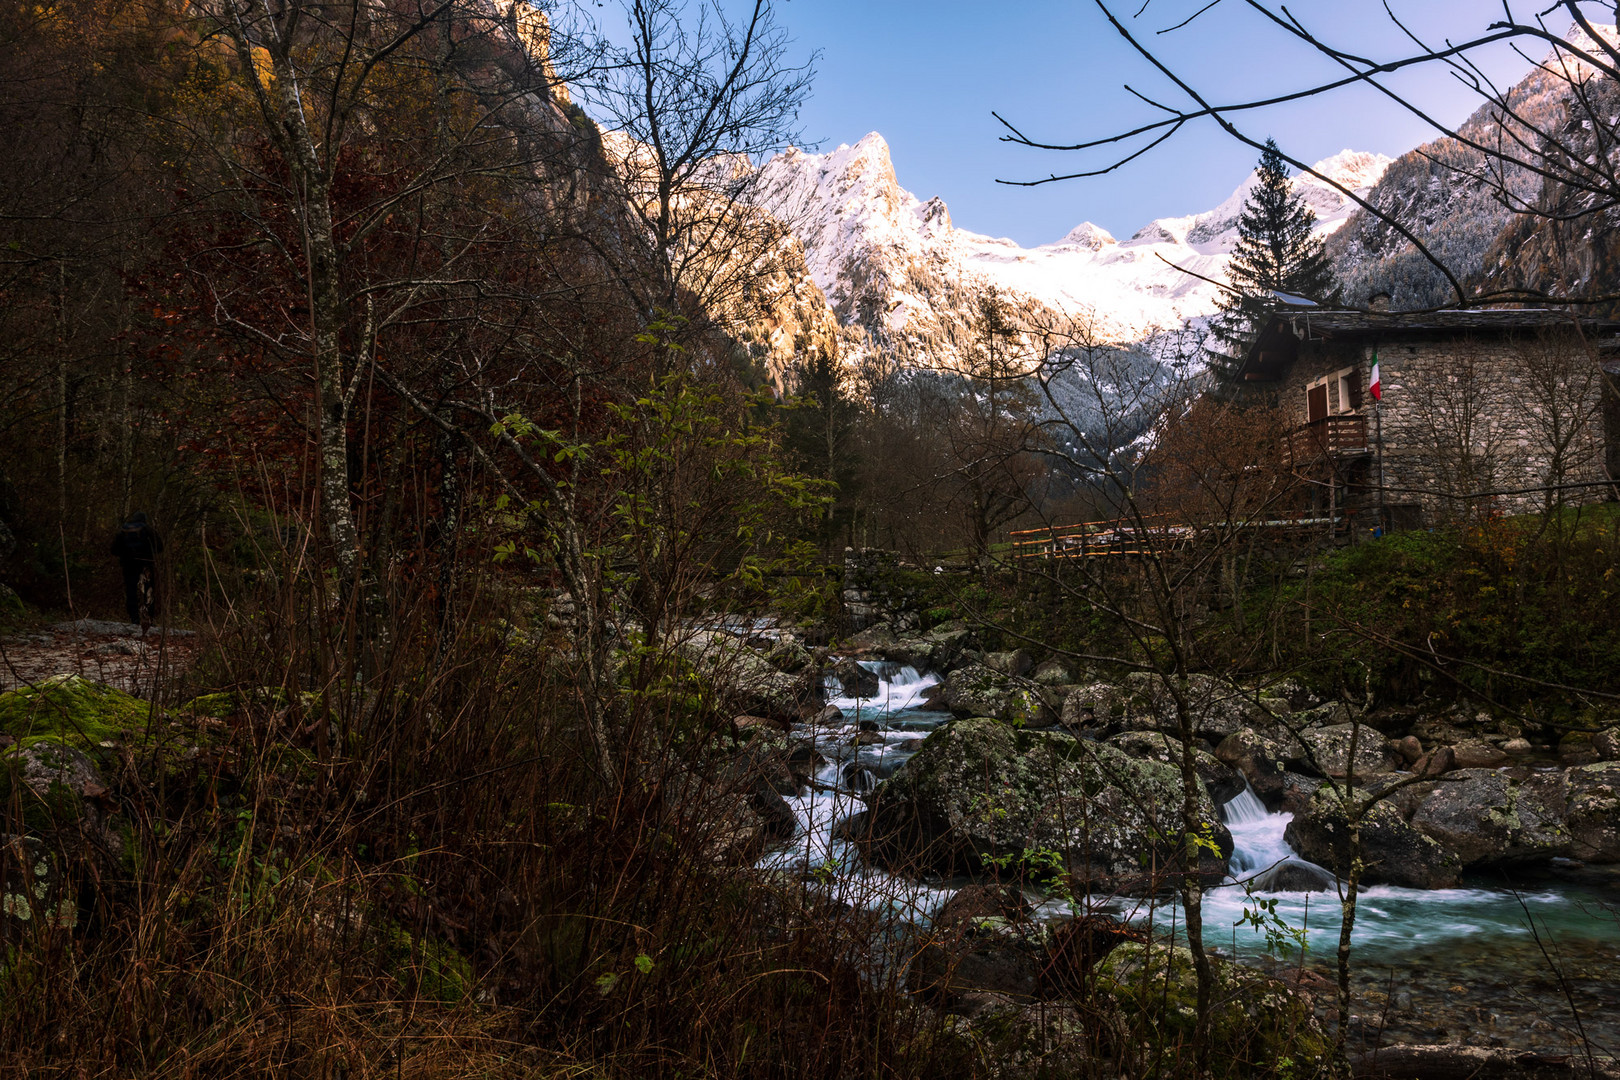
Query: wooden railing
[1332, 436]
[1154, 536]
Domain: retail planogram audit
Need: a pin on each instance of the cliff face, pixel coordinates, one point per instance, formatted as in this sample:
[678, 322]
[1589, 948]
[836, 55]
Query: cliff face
[1465, 205]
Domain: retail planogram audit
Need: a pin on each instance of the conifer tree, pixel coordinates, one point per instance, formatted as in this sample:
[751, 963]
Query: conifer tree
[1275, 253]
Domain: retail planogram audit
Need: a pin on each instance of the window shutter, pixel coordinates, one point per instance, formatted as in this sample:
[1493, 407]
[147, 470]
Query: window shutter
[1316, 403]
[1352, 389]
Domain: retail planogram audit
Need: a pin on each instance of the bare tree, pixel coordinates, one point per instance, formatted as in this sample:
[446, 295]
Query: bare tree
[1572, 153]
[691, 104]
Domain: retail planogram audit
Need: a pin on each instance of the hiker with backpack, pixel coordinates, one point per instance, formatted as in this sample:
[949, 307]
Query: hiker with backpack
[137, 545]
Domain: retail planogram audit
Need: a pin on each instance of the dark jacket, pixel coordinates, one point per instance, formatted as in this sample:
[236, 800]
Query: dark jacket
[136, 541]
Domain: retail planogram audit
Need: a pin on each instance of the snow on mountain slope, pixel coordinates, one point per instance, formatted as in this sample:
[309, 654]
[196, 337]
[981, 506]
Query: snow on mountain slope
[898, 269]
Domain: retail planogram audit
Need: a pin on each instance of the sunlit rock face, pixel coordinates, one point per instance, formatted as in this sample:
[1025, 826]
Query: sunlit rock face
[901, 275]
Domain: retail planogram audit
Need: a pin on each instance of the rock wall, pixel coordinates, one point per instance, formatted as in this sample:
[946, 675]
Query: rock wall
[1470, 415]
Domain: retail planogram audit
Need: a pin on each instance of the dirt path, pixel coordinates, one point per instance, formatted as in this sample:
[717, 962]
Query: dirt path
[114, 653]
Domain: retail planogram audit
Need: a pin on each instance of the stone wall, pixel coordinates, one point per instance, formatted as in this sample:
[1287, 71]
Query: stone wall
[1468, 416]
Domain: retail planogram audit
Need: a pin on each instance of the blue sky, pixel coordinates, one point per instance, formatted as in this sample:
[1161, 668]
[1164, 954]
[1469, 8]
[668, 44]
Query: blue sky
[928, 74]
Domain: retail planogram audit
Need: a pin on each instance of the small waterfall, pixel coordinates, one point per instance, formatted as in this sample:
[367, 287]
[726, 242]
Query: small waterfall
[1260, 852]
[900, 687]
[875, 735]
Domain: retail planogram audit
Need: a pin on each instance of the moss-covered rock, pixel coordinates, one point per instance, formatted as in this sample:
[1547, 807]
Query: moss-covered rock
[72, 710]
[1258, 1026]
[978, 690]
[981, 792]
[227, 703]
[1491, 818]
[1222, 781]
[1592, 812]
[1392, 851]
[1330, 750]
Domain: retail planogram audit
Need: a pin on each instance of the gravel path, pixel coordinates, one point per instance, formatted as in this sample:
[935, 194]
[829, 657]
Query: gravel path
[114, 653]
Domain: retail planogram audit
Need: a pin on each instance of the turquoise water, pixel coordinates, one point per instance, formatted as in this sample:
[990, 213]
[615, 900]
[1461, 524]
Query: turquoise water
[1494, 963]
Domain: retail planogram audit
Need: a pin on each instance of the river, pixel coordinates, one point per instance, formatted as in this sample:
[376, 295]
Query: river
[1532, 963]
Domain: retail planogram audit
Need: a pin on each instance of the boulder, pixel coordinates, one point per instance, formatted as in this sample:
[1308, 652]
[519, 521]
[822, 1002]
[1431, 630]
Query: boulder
[917, 652]
[1392, 851]
[1221, 780]
[856, 681]
[1215, 708]
[982, 941]
[1489, 818]
[790, 655]
[1592, 812]
[977, 690]
[1261, 759]
[950, 641]
[1053, 673]
[874, 640]
[1437, 762]
[746, 679]
[1607, 744]
[980, 792]
[1330, 750]
[47, 764]
[1016, 663]
[1098, 707]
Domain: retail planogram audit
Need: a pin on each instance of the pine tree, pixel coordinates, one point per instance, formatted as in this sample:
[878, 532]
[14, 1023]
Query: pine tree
[1275, 253]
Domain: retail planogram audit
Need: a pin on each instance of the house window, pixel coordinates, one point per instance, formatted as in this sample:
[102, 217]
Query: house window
[1337, 393]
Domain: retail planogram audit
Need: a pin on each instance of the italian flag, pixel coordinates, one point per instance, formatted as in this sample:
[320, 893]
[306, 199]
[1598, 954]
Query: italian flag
[1375, 387]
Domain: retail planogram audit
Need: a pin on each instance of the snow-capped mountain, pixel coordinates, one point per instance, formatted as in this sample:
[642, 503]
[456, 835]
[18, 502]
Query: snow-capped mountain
[899, 272]
[1450, 195]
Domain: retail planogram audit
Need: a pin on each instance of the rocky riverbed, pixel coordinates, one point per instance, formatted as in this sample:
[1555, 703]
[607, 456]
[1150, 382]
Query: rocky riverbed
[1492, 854]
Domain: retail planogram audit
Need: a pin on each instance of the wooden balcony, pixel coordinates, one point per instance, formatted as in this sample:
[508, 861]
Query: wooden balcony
[1330, 437]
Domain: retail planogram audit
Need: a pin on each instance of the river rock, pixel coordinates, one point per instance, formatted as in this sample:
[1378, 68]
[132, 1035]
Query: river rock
[1489, 818]
[982, 941]
[1221, 780]
[1592, 812]
[856, 681]
[1578, 748]
[1053, 673]
[981, 791]
[977, 690]
[746, 679]
[1330, 750]
[1392, 851]
[828, 716]
[1016, 662]
[1099, 707]
[1215, 708]
[1477, 754]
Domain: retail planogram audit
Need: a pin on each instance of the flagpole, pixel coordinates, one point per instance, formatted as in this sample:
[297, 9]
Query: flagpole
[1377, 388]
[1378, 424]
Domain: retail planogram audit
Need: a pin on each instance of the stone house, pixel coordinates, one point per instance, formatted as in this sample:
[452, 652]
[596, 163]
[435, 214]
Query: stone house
[1483, 411]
